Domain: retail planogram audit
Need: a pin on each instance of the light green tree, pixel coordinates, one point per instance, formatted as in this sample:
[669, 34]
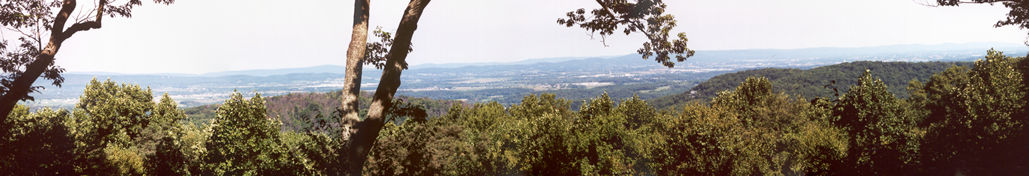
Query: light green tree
[245, 141]
[109, 121]
[168, 154]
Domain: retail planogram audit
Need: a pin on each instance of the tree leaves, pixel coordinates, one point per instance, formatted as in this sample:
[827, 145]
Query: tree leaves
[973, 122]
[643, 16]
[377, 52]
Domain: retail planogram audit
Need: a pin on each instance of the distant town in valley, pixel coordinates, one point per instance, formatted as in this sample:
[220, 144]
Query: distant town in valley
[570, 78]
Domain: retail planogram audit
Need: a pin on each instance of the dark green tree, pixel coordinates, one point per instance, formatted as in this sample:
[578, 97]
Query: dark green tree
[977, 118]
[38, 143]
[637, 112]
[697, 142]
[601, 140]
[881, 139]
[167, 155]
[542, 145]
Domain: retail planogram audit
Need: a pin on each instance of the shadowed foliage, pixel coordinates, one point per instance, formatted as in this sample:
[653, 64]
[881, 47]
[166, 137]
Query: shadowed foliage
[963, 120]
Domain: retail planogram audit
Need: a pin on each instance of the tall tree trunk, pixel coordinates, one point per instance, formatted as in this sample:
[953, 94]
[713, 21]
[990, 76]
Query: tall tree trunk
[368, 130]
[23, 83]
[355, 55]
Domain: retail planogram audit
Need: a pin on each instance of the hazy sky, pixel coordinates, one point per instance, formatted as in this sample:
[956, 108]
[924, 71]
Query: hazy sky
[193, 36]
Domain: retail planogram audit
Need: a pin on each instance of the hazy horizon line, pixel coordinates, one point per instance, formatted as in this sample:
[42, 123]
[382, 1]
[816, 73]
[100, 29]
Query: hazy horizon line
[553, 57]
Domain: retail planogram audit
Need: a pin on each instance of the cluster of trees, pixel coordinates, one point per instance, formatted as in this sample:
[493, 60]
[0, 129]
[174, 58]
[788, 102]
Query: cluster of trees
[962, 120]
[32, 59]
[114, 129]
[120, 130]
[302, 111]
[643, 16]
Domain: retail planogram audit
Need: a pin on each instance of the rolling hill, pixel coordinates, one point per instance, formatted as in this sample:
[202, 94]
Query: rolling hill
[815, 82]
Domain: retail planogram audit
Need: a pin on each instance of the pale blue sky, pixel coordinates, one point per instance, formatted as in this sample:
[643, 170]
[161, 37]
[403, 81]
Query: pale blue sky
[193, 36]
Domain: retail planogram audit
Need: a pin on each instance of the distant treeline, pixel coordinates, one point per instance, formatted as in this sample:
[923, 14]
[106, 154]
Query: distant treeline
[816, 82]
[968, 120]
[302, 110]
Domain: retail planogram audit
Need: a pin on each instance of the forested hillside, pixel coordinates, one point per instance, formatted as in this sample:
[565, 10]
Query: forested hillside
[825, 81]
[572, 78]
[237, 87]
[964, 120]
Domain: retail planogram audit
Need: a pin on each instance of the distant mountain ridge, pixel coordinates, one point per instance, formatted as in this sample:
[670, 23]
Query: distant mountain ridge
[336, 69]
[521, 62]
[705, 56]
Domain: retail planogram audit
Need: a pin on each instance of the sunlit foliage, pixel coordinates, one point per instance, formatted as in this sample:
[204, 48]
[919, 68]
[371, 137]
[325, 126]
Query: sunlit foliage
[960, 121]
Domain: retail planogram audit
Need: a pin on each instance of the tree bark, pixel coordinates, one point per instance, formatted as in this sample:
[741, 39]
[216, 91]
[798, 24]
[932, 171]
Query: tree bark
[368, 130]
[355, 55]
[23, 83]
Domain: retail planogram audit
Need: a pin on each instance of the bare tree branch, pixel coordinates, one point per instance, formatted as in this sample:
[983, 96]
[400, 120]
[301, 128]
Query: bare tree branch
[85, 26]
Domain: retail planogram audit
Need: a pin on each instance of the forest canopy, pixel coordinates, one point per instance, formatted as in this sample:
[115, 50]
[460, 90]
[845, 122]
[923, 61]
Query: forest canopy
[966, 119]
